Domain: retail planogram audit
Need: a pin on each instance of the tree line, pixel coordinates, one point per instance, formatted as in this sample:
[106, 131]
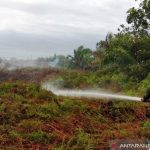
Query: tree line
[128, 51]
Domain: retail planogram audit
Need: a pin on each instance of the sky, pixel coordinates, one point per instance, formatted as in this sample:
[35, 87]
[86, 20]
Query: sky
[41, 28]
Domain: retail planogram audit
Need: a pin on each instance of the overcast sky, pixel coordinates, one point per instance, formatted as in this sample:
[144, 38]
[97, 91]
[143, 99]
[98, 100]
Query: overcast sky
[34, 28]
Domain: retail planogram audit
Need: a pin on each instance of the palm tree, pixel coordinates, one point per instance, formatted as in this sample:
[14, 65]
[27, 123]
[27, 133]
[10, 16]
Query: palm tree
[82, 58]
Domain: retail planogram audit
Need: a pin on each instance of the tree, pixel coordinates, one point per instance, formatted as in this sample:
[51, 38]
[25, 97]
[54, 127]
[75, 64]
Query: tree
[82, 58]
[139, 18]
[103, 44]
[118, 52]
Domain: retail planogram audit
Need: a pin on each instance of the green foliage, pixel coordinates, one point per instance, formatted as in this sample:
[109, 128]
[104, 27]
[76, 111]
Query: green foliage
[129, 55]
[82, 58]
[122, 114]
[75, 79]
[2, 108]
[45, 111]
[144, 85]
[73, 106]
[75, 124]
[45, 95]
[123, 59]
[121, 63]
[19, 91]
[139, 17]
[51, 109]
[146, 129]
[26, 90]
[30, 125]
[14, 135]
[80, 140]
[38, 137]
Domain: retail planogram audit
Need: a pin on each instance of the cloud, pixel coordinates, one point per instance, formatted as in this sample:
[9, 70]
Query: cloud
[36, 26]
[25, 45]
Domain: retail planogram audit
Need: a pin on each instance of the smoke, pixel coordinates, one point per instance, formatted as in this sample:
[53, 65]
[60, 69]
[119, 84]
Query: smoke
[3, 63]
[55, 88]
[87, 93]
[14, 63]
[54, 63]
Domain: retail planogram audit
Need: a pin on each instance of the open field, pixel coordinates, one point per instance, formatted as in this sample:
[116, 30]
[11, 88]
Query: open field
[31, 117]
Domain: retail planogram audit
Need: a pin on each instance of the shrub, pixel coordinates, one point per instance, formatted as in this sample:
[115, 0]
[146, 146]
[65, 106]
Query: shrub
[123, 111]
[14, 135]
[50, 109]
[30, 125]
[69, 105]
[144, 84]
[75, 80]
[146, 129]
[80, 140]
[38, 137]
[44, 111]
[45, 95]
[2, 107]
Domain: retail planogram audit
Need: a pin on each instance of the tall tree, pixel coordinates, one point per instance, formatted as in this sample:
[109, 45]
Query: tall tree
[139, 18]
[82, 58]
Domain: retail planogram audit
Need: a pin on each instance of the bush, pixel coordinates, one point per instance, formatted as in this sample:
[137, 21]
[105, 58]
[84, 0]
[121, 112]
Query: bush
[38, 137]
[30, 125]
[80, 140]
[123, 111]
[75, 80]
[2, 107]
[26, 90]
[19, 91]
[69, 105]
[45, 95]
[14, 135]
[144, 84]
[50, 109]
[44, 111]
[146, 129]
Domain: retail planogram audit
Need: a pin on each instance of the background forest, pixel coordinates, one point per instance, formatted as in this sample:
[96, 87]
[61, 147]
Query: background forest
[122, 59]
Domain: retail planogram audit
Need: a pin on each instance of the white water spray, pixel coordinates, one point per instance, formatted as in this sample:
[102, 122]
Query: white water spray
[88, 93]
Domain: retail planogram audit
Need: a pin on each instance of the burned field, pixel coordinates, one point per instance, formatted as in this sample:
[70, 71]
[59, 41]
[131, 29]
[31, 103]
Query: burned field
[33, 118]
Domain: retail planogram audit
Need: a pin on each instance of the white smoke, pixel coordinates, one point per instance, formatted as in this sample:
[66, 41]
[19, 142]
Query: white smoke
[14, 63]
[53, 63]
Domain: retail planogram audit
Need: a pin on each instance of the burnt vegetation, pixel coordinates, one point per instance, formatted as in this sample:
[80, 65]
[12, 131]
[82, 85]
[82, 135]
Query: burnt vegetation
[34, 118]
[31, 117]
